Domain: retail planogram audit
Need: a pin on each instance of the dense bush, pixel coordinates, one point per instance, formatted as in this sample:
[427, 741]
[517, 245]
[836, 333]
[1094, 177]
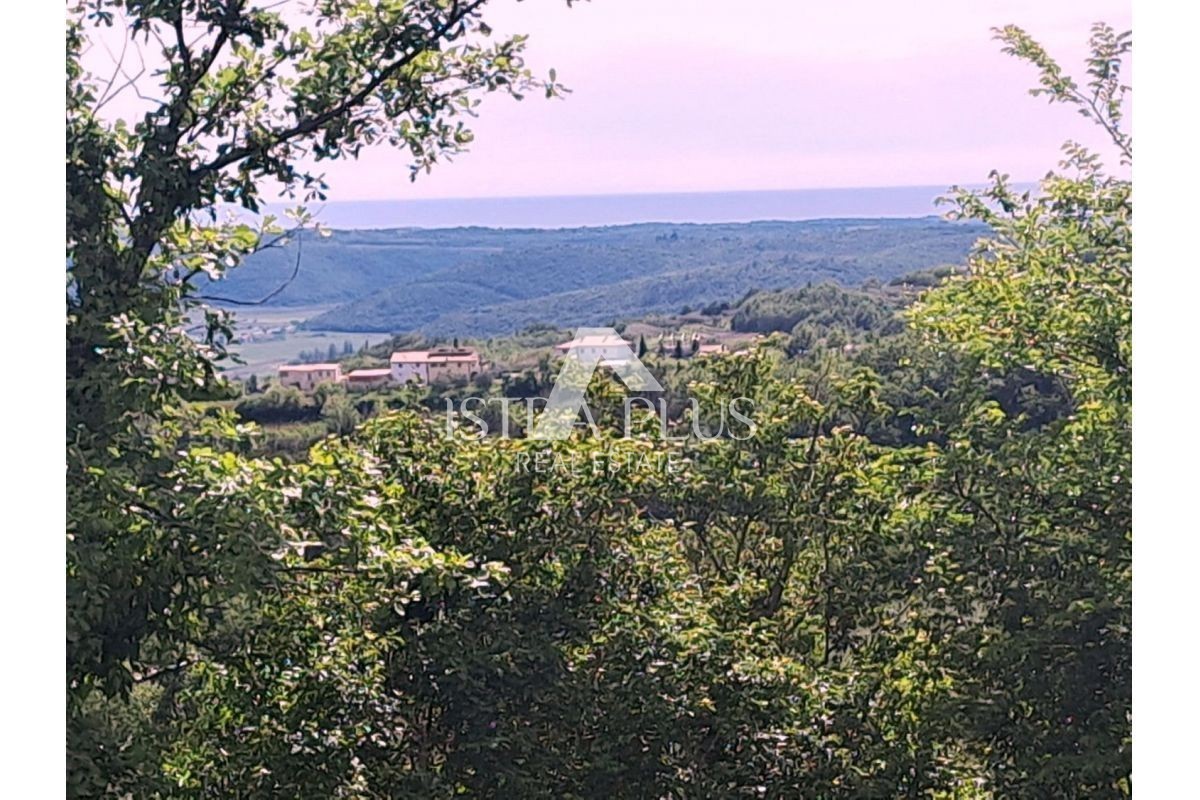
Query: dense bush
[822, 308]
[279, 404]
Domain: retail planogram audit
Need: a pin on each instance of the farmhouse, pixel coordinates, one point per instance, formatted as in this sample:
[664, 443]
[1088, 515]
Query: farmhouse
[363, 379]
[307, 377]
[407, 366]
[434, 366]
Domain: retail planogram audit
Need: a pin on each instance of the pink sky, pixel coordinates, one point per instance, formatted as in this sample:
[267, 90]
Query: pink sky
[699, 95]
[684, 95]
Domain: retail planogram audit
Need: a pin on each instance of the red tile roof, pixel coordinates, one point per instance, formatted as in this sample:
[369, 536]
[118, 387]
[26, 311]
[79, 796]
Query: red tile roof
[442, 356]
[309, 367]
[368, 374]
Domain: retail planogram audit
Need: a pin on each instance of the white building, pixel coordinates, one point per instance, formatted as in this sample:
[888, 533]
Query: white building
[603, 348]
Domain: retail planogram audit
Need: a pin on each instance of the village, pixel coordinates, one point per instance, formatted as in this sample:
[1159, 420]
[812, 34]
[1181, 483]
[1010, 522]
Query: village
[454, 363]
[439, 365]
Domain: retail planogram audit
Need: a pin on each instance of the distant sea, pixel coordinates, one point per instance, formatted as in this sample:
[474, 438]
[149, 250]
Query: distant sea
[622, 209]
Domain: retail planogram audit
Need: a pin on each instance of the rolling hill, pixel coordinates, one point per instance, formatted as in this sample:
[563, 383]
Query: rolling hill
[479, 281]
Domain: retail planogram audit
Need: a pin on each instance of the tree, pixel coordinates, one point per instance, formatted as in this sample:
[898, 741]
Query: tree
[1037, 509]
[244, 96]
[252, 383]
[641, 346]
[339, 414]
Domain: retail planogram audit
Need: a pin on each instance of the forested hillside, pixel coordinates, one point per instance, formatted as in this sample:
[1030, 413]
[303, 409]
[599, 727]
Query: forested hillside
[485, 282]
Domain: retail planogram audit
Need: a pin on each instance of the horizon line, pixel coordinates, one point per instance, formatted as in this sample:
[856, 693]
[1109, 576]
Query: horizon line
[669, 193]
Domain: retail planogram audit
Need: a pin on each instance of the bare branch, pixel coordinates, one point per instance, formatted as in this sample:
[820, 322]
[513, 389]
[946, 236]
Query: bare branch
[272, 294]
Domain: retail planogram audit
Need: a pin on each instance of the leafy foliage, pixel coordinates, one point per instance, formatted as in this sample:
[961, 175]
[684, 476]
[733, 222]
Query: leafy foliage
[822, 307]
[911, 577]
[243, 95]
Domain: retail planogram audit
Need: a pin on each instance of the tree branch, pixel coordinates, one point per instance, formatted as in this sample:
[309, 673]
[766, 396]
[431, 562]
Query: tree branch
[270, 295]
[314, 123]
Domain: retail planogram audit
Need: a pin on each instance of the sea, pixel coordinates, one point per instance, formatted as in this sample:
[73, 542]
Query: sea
[571, 211]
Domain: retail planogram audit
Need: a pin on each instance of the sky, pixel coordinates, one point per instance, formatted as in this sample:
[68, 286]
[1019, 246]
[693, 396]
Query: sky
[719, 95]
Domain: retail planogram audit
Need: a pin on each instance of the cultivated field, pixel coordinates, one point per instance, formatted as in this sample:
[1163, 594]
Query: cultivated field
[269, 337]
